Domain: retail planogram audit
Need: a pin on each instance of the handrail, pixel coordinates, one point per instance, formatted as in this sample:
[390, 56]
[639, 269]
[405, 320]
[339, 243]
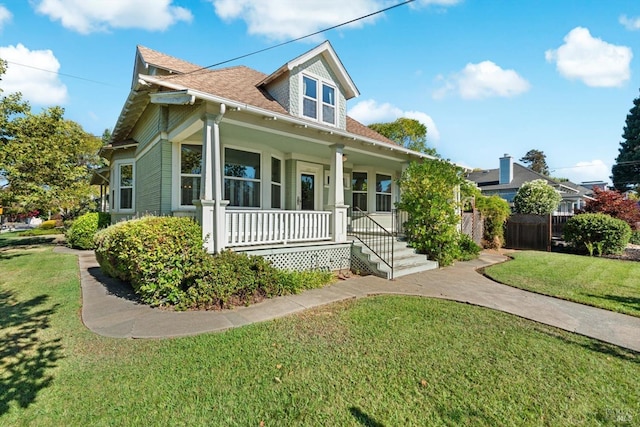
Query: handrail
[374, 236]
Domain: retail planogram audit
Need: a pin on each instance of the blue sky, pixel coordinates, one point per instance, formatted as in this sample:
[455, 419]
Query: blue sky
[487, 77]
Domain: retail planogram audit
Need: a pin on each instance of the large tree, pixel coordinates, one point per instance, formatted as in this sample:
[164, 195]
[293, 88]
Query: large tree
[409, 133]
[536, 160]
[626, 171]
[45, 160]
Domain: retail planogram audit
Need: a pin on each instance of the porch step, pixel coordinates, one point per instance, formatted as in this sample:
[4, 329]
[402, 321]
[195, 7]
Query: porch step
[405, 260]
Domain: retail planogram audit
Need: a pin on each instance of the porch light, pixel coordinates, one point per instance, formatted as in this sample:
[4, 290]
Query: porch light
[344, 158]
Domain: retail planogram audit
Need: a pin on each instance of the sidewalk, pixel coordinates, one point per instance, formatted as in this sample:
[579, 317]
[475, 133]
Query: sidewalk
[109, 307]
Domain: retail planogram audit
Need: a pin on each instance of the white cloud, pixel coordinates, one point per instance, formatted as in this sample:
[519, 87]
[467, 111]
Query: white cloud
[482, 80]
[369, 111]
[87, 16]
[592, 60]
[285, 19]
[593, 170]
[24, 74]
[631, 24]
[5, 16]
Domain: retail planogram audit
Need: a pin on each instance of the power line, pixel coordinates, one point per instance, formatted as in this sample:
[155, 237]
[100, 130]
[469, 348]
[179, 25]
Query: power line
[58, 73]
[300, 38]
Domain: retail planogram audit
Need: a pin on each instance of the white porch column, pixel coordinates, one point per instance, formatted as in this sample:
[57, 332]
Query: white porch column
[211, 208]
[336, 195]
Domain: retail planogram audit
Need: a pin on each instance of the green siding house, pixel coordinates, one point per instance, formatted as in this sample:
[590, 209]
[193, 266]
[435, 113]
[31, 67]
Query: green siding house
[266, 163]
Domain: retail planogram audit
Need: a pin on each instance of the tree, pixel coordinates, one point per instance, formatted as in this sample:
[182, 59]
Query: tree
[536, 198]
[536, 160]
[614, 203]
[409, 133]
[428, 196]
[626, 171]
[46, 162]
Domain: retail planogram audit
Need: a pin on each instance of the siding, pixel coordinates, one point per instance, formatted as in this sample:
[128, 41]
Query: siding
[148, 182]
[179, 113]
[147, 127]
[290, 184]
[280, 91]
[166, 180]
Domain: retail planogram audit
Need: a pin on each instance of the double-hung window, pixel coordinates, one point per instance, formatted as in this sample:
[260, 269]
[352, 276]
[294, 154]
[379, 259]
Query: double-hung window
[383, 193]
[321, 109]
[190, 167]
[242, 178]
[123, 192]
[276, 183]
[359, 190]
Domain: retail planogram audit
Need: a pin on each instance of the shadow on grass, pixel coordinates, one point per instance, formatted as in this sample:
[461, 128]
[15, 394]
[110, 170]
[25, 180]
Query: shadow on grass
[632, 303]
[594, 345]
[364, 419]
[25, 241]
[114, 286]
[25, 357]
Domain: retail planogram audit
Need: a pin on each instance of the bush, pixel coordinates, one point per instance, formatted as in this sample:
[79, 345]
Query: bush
[635, 237]
[597, 232]
[157, 255]
[163, 259]
[82, 231]
[495, 212]
[536, 198]
[48, 225]
[468, 248]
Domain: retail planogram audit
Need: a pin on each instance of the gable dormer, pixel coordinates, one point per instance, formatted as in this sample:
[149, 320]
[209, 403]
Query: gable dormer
[314, 86]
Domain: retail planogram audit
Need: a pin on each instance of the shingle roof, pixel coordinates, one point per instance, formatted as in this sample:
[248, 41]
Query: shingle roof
[240, 84]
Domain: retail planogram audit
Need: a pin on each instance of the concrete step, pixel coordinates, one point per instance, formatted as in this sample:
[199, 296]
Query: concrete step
[405, 260]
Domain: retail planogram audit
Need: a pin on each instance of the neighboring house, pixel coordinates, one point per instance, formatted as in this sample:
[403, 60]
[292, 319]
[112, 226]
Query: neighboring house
[509, 177]
[268, 163]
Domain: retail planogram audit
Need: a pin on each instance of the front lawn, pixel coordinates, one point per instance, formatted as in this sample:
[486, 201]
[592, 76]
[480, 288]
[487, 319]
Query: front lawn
[387, 360]
[606, 283]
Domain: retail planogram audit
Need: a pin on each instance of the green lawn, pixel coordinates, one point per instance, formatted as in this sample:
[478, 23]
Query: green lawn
[600, 282]
[388, 360]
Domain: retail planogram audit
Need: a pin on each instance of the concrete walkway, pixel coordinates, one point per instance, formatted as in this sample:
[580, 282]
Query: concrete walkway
[110, 307]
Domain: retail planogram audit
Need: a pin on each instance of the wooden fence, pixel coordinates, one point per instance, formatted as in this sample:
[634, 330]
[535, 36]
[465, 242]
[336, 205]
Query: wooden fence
[473, 225]
[529, 232]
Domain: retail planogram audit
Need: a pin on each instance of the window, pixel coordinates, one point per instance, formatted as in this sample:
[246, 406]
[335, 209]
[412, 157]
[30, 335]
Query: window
[310, 100]
[242, 178]
[309, 97]
[383, 193]
[359, 194]
[123, 186]
[190, 168]
[276, 183]
[328, 104]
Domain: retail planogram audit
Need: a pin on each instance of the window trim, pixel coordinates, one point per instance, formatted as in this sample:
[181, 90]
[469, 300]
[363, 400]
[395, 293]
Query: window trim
[319, 100]
[116, 191]
[354, 191]
[279, 184]
[390, 193]
[181, 175]
[259, 180]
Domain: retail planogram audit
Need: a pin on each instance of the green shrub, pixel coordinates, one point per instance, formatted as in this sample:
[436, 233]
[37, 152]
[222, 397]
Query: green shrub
[495, 212]
[635, 237]
[157, 255]
[82, 231]
[468, 248]
[48, 225]
[41, 232]
[597, 232]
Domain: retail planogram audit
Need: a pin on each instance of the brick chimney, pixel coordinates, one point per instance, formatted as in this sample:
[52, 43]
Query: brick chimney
[506, 169]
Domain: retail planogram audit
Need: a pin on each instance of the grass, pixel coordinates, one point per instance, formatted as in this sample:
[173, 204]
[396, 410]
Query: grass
[606, 283]
[387, 360]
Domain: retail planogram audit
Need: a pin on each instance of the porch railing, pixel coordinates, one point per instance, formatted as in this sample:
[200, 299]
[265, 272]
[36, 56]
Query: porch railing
[374, 236]
[276, 226]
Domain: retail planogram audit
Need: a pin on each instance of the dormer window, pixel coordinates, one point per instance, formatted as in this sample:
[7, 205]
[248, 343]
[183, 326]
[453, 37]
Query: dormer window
[310, 89]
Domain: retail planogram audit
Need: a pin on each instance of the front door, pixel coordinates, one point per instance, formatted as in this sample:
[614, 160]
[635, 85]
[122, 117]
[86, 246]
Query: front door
[307, 191]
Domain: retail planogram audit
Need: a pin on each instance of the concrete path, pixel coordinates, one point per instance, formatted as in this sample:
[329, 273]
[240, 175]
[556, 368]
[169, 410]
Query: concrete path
[110, 308]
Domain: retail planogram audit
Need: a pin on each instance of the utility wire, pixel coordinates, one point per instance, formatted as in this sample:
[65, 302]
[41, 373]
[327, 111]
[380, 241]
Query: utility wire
[300, 38]
[58, 73]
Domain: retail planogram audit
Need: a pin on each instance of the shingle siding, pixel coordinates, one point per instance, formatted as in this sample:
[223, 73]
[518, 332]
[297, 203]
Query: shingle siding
[147, 127]
[148, 182]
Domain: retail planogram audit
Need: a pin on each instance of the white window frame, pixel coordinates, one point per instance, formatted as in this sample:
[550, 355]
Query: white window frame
[260, 180]
[116, 190]
[389, 194]
[319, 100]
[279, 184]
[354, 191]
[181, 175]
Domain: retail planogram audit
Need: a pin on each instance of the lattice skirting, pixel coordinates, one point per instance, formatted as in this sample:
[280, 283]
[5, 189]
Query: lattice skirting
[321, 257]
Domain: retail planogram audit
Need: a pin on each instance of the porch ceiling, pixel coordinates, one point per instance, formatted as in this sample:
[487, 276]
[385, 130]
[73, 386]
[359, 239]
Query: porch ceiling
[293, 146]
